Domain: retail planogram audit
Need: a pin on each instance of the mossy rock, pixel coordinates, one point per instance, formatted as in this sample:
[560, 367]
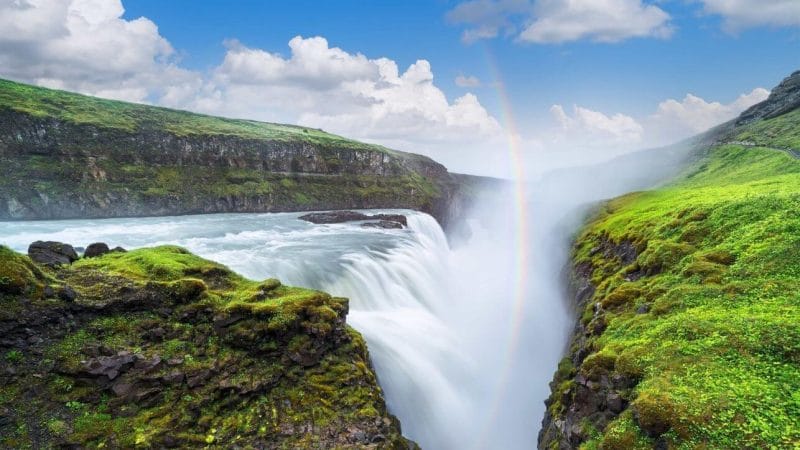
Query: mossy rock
[162, 348]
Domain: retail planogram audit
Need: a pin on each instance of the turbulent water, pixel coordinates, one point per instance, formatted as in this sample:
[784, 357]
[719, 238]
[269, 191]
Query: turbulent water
[464, 361]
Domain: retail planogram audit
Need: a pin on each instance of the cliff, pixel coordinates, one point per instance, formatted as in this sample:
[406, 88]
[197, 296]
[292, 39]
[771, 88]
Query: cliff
[66, 155]
[158, 348]
[687, 333]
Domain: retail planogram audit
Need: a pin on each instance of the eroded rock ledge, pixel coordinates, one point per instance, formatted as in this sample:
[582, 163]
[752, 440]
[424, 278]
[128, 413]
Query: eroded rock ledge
[158, 348]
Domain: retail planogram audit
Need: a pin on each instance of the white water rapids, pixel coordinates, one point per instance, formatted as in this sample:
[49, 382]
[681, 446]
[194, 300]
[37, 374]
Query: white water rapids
[439, 322]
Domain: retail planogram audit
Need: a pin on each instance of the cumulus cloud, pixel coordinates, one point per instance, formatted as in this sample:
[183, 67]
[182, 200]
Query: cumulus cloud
[467, 81]
[591, 128]
[557, 21]
[85, 45]
[347, 93]
[741, 14]
[584, 131]
[675, 120]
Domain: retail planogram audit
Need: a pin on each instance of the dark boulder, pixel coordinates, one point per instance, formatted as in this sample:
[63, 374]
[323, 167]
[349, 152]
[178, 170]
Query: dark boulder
[96, 249]
[67, 294]
[383, 220]
[334, 217]
[51, 253]
[386, 224]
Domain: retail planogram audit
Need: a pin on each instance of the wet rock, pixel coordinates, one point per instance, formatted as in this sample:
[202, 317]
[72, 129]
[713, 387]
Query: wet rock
[67, 294]
[174, 377]
[148, 365]
[385, 224]
[334, 217]
[399, 218]
[615, 403]
[198, 379]
[122, 388]
[95, 250]
[382, 220]
[177, 361]
[48, 292]
[109, 366]
[52, 254]
[156, 334]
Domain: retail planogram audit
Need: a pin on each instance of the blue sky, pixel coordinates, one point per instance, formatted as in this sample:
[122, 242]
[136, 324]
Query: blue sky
[630, 76]
[586, 79]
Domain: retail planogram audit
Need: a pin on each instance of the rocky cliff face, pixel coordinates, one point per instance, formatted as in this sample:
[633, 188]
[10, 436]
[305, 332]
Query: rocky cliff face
[677, 344]
[157, 348]
[63, 163]
[784, 98]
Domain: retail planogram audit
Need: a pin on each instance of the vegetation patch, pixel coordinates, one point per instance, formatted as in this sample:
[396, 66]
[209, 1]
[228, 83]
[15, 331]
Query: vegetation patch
[700, 332]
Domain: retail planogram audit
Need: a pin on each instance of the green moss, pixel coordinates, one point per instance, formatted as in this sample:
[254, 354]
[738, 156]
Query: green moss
[262, 359]
[717, 356]
[18, 275]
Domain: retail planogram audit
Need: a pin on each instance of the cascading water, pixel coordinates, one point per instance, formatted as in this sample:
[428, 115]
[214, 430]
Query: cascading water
[443, 325]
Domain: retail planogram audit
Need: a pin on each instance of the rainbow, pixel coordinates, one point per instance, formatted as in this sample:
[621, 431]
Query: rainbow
[521, 289]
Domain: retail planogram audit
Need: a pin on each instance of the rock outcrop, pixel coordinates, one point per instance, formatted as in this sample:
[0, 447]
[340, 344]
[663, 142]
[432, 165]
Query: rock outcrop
[782, 99]
[383, 220]
[52, 253]
[157, 348]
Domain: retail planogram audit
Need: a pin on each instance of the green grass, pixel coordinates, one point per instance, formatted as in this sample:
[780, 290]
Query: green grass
[780, 132]
[718, 353]
[131, 117]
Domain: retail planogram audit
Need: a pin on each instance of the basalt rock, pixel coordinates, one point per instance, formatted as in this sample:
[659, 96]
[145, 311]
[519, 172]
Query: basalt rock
[194, 363]
[96, 249]
[585, 392]
[382, 220]
[51, 253]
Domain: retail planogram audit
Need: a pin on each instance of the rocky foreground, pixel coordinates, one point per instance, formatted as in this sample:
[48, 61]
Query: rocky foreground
[158, 348]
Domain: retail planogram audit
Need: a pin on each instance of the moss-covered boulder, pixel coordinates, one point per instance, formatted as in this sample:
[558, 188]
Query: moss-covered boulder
[160, 348]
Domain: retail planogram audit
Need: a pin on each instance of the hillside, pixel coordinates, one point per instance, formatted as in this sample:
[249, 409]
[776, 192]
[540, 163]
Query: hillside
[66, 155]
[158, 348]
[688, 333]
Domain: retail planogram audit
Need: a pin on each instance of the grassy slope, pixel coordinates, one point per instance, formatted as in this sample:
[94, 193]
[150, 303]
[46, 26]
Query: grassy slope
[252, 393]
[138, 189]
[80, 109]
[718, 352]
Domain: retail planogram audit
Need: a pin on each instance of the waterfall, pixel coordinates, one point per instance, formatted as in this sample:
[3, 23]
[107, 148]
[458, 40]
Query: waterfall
[440, 322]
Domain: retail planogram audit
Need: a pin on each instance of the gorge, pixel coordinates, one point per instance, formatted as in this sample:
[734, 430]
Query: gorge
[465, 325]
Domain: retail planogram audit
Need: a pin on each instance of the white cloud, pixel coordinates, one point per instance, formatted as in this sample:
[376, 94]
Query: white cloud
[740, 14]
[85, 45]
[326, 87]
[675, 120]
[487, 18]
[467, 81]
[593, 128]
[557, 21]
[587, 135]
